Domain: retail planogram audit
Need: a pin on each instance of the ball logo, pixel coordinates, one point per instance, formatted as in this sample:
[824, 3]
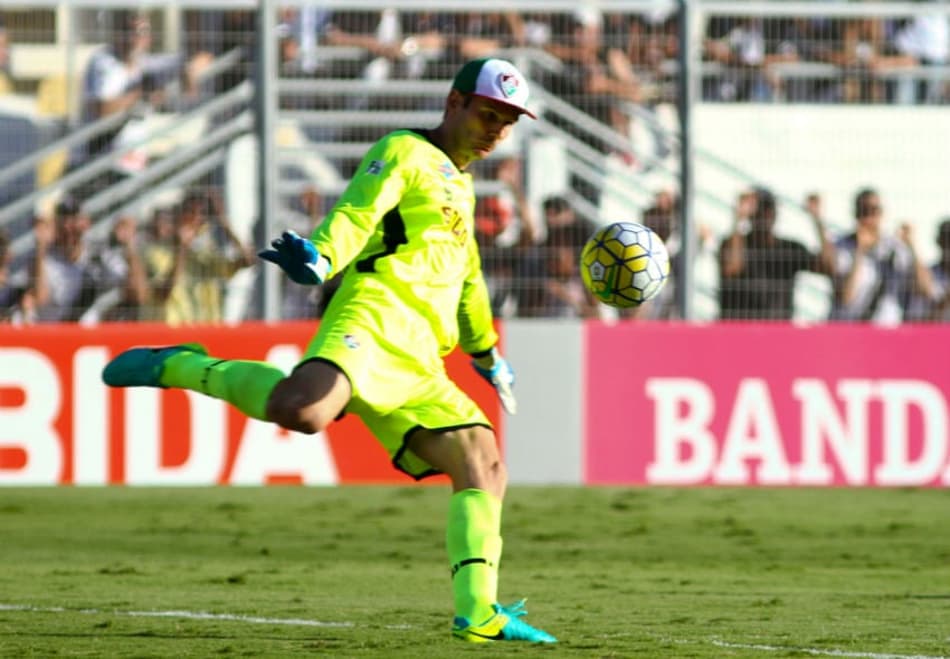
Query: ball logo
[508, 83]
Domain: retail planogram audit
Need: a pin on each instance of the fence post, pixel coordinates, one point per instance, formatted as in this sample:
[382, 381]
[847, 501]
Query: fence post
[684, 278]
[266, 96]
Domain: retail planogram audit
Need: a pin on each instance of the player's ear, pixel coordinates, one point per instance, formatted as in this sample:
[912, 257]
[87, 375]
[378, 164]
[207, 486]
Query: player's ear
[455, 101]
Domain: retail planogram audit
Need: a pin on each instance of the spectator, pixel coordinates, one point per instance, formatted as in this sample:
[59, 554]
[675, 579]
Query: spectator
[506, 218]
[925, 40]
[810, 40]
[113, 79]
[738, 45]
[6, 76]
[598, 80]
[545, 278]
[482, 34]
[215, 32]
[874, 272]
[757, 268]
[299, 30]
[867, 51]
[376, 33]
[427, 45]
[189, 270]
[563, 294]
[652, 43]
[558, 213]
[123, 76]
[70, 275]
[13, 285]
[158, 255]
[663, 218]
[505, 228]
[395, 45]
[123, 255]
[931, 301]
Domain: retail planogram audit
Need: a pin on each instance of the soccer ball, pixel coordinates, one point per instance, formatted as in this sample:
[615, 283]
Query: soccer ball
[624, 264]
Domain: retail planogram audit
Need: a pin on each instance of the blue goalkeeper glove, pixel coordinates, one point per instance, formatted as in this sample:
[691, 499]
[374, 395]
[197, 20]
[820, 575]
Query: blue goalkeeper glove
[299, 258]
[499, 374]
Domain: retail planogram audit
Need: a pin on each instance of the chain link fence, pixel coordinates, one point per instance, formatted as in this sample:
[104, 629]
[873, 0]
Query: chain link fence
[147, 150]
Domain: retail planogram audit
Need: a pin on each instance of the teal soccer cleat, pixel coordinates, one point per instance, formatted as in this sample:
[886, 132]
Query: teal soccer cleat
[505, 625]
[142, 367]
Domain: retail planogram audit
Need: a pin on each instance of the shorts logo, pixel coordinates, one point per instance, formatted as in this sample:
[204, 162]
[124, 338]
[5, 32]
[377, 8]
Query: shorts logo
[376, 167]
[508, 83]
[351, 341]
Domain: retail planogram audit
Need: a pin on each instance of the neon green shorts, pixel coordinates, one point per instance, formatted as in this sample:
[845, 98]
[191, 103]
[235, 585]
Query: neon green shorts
[399, 381]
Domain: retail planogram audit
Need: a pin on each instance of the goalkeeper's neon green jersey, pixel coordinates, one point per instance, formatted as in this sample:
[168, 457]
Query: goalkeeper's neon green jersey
[405, 226]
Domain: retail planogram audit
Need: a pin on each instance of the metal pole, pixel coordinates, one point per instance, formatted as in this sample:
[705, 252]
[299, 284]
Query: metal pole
[266, 88]
[684, 283]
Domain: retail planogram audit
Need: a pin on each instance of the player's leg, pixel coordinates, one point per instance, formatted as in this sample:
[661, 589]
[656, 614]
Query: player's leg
[440, 429]
[470, 457]
[306, 401]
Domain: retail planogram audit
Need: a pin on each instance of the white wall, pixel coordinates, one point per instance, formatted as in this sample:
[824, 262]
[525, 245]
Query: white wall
[902, 151]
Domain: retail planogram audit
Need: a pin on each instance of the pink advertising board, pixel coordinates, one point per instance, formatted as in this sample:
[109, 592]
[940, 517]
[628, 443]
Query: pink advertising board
[760, 404]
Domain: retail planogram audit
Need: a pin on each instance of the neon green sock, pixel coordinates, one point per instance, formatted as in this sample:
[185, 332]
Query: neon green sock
[473, 539]
[245, 384]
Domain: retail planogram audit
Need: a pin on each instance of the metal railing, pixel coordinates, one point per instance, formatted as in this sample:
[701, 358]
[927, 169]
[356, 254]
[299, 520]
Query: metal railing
[227, 102]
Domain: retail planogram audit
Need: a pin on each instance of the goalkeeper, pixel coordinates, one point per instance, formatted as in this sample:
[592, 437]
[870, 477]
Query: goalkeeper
[412, 289]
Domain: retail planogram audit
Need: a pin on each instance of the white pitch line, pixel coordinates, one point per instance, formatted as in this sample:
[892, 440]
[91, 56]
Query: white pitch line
[822, 653]
[191, 615]
[303, 622]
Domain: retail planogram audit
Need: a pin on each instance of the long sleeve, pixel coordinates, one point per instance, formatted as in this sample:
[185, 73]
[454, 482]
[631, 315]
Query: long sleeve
[476, 326]
[374, 190]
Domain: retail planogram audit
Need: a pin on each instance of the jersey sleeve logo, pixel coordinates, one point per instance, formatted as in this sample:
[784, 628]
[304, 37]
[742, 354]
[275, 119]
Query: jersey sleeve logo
[447, 169]
[375, 167]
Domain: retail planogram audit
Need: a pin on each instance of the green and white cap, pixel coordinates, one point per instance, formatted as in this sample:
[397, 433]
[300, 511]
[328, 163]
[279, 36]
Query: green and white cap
[496, 79]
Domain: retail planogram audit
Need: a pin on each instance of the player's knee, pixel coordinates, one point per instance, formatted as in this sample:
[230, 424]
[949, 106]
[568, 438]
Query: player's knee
[481, 457]
[305, 420]
[296, 412]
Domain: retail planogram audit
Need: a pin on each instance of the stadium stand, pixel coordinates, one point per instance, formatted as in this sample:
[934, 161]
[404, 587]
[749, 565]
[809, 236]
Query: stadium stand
[606, 141]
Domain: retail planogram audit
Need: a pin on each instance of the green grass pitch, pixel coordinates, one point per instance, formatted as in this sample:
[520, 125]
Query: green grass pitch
[361, 572]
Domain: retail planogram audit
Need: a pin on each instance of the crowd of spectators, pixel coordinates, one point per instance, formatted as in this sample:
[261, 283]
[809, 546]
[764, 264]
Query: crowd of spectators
[177, 268]
[609, 56]
[174, 265]
[176, 273]
[864, 59]
[874, 276]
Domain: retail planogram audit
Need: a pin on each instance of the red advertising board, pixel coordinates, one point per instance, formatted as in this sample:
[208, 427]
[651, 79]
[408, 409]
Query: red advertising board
[759, 404]
[60, 425]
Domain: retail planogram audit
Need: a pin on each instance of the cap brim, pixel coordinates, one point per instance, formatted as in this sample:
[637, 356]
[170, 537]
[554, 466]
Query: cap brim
[505, 103]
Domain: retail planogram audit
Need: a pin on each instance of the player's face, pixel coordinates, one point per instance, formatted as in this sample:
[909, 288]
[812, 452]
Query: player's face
[483, 124]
